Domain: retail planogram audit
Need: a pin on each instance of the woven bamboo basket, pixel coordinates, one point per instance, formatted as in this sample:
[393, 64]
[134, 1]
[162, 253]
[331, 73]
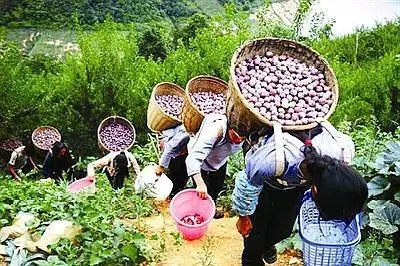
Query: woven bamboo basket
[157, 119]
[117, 120]
[241, 115]
[191, 114]
[43, 150]
[5, 152]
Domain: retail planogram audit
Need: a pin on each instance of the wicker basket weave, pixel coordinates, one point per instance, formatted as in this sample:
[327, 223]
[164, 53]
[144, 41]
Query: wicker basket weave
[117, 120]
[38, 130]
[157, 119]
[191, 114]
[245, 118]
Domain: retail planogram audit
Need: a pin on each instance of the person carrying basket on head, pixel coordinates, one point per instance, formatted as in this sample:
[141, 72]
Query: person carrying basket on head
[116, 167]
[209, 151]
[268, 192]
[174, 146]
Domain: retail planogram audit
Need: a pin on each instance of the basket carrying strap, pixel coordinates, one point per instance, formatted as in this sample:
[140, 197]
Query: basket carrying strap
[279, 151]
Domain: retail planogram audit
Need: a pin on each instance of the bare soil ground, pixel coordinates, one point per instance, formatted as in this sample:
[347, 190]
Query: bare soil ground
[222, 244]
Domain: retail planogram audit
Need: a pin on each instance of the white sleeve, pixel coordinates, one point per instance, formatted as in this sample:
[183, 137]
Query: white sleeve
[13, 158]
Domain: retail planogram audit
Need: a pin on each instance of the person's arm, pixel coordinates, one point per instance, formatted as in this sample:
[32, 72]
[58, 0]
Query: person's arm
[202, 147]
[91, 168]
[260, 164]
[244, 202]
[33, 163]
[134, 164]
[13, 173]
[11, 164]
[173, 147]
[46, 166]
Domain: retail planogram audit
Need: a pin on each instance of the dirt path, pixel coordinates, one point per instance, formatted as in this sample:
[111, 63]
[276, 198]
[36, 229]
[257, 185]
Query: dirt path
[221, 245]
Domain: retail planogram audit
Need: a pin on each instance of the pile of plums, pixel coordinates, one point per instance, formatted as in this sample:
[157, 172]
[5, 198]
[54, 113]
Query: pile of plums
[284, 89]
[116, 137]
[209, 102]
[46, 138]
[171, 104]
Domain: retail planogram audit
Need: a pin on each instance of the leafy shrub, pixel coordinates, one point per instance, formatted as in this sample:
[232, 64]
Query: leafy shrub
[104, 239]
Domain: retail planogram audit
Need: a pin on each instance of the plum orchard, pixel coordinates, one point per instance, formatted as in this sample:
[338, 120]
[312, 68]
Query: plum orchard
[171, 104]
[209, 102]
[284, 89]
[45, 139]
[116, 137]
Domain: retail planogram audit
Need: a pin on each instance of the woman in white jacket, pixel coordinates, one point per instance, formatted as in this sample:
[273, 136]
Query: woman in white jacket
[208, 154]
[116, 167]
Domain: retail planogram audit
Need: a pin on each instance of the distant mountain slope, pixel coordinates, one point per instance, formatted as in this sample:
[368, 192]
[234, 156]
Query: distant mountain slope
[54, 13]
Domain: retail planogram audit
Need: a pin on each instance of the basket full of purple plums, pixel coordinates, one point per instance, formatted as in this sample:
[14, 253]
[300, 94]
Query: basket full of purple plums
[115, 133]
[279, 80]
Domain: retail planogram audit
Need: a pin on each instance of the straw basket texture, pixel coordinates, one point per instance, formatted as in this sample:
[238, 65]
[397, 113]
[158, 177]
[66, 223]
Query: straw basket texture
[157, 119]
[241, 115]
[117, 120]
[38, 148]
[191, 114]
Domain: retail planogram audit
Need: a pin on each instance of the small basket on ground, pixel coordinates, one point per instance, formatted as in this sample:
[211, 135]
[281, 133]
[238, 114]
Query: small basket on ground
[245, 118]
[326, 242]
[157, 119]
[116, 120]
[40, 147]
[191, 114]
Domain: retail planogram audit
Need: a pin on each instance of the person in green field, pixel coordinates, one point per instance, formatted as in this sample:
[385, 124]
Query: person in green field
[116, 167]
[174, 146]
[21, 159]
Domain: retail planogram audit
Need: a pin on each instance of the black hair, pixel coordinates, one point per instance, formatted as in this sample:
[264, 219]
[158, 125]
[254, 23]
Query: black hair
[341, 190]
[58, 146]
[121, 165]
[29, 147]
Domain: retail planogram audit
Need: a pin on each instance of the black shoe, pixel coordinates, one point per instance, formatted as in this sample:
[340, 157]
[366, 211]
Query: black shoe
[270, 255]
[218, 215]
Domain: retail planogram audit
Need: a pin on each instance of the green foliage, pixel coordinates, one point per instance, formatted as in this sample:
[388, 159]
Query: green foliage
[40, 13]
[104, 239]
[152, 45]
[376, 250]
[191, 28]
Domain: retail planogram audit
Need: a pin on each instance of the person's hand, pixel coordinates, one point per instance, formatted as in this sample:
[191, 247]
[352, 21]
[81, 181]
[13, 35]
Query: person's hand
[244, 225]
[161, 144]
[159, 170]
[90, 177]
[17, 179]
[202, 190]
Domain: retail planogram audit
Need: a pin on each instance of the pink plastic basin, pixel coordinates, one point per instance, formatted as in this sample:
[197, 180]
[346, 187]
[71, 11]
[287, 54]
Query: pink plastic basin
[81, 185]
[187, 203]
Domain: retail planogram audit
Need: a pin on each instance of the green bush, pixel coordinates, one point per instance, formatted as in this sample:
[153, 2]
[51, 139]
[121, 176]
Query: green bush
[110, 76]
[104, 240]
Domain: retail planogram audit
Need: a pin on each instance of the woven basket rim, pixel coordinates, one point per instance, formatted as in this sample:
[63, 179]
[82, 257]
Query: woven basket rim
[41, 128]
[202, 77]
[115, 117]
[264, 120]
[153, 94]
